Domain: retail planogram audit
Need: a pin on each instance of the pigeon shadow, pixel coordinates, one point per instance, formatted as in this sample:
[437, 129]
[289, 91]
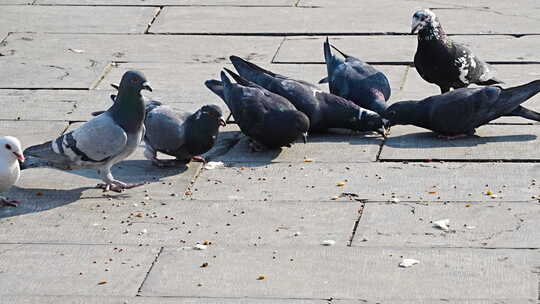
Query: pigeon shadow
[430, 140]
[34, 200]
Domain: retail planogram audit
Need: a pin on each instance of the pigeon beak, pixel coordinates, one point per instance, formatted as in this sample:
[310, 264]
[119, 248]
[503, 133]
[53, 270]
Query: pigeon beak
[115, 86]
[19, 156]
[415, 26]
[222, 122]
[146, 86]
[304, 137]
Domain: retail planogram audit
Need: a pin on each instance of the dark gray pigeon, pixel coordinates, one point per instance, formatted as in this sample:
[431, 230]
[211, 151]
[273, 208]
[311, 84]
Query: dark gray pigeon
[183, 135]
[104, 140]
[270, 120]
[446, 63]
[461, 111]
[355, 80]
[324, 110]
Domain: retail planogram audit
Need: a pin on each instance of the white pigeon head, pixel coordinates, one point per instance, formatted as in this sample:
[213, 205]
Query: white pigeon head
[10, 148]
[421, 18]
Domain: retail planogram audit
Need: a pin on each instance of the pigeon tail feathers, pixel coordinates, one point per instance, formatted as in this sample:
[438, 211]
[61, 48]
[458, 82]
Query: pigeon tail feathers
[525, 113]
[215, 86]
[490, 81]
[239, 79]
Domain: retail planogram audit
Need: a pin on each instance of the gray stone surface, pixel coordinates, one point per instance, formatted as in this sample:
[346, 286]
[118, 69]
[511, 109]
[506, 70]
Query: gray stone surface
[155, 300]
[491, 142]
[32, 132]
[175, 222]
[145, 48]
[209, 20]
[318, 272]
[28, 74]
[90, 19]
[374, 181]
[490, 224]
[171, 2]
[183, 82]
[70, 269]
[277, 20]
[39, 104]
[401, 49]
[324, 148]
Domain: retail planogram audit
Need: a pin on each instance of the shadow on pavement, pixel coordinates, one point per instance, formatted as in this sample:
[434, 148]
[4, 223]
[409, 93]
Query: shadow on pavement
[430, 140]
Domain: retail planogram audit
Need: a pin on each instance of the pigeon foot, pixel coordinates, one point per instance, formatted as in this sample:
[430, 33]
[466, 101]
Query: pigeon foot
[452, 137]
[8, 202]
[118, 186]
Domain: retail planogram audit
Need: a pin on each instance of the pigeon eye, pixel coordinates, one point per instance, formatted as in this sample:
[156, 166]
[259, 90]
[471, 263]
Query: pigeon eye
[135, 80]
[8, 146]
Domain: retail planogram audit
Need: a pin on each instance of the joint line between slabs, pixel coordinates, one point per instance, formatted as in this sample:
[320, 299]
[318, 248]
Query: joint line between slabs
[149, 270]
[277, 51]
[160, 9]
[188, 193]
[356, 223]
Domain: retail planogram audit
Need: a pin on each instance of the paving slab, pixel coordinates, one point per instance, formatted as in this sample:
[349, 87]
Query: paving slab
[304, 20]
[89, 19]
[491, 142]
[242, 3]
[276, 20]
[147, 48]
[401, 49]
[39, 104]
[150, 300]
[176, 222]
[326, 148]
[319, 272]
[28, 74]
[74, 270]
[186, 81]
[373, 181]
[408, 6]
[493, 225]
[40, 192]
[32, 132]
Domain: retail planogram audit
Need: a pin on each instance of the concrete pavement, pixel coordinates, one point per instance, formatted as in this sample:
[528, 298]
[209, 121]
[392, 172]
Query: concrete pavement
[262, 218]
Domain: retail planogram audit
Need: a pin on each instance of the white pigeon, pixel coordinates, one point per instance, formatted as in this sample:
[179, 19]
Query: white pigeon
[104, 140]
[10, 155]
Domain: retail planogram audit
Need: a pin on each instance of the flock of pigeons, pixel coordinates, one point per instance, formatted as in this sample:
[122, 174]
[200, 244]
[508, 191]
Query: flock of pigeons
[274, 110]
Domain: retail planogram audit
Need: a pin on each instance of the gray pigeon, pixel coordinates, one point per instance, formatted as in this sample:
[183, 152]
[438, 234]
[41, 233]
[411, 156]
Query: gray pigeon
[446, 63]
[324, 110]
[183, 135]
[270, 120]
[459, 112]
[104, 140]
[356, 80]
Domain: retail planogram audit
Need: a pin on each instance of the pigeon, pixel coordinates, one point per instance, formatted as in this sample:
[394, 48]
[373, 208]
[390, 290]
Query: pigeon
[356, 80]
[446, 63]
[269, 120]
[10, 155]
[105, 139]
[183, 135]
[324, 110]
[459, 112]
